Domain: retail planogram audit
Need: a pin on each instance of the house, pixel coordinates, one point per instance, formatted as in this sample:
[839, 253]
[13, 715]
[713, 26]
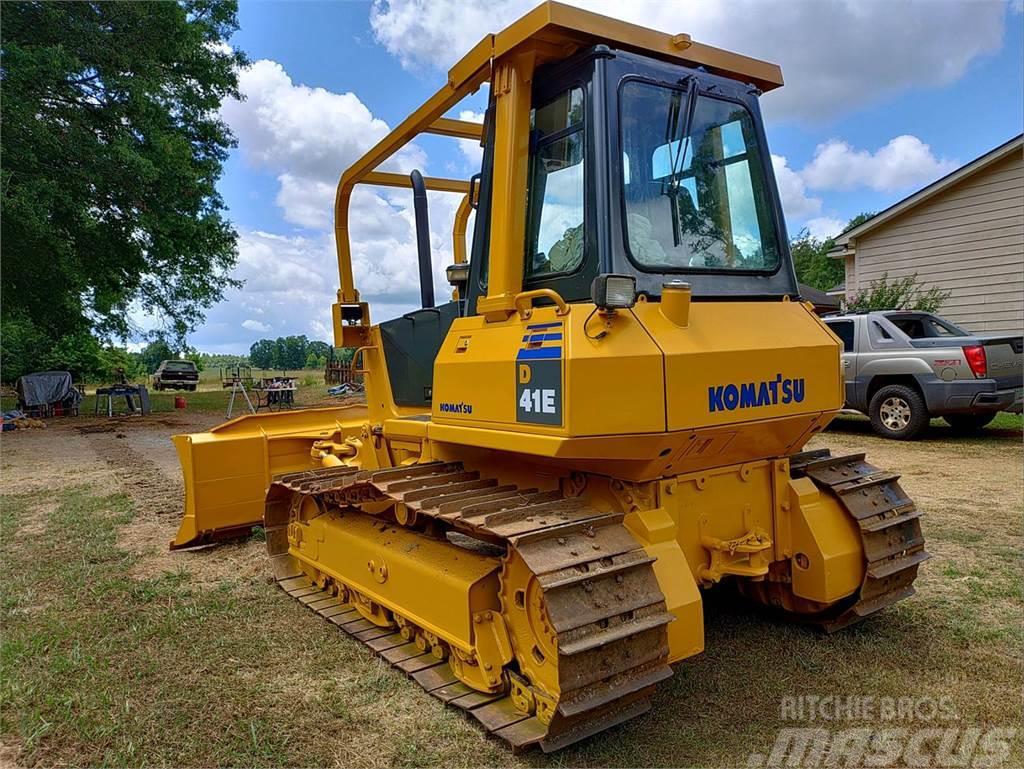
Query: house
[963, 233]
[823, 303]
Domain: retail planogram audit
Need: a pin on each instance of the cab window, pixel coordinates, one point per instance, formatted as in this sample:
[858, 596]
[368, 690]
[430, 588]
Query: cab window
[844, 330]
[554, 242]
[925, 326]
[695, 194]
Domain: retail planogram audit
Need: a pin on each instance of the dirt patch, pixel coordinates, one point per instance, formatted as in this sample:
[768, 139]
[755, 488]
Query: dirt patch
[52, 458]
[141, 455]
[135, 455]
[147, 538]
[33, 520]
[9, 755]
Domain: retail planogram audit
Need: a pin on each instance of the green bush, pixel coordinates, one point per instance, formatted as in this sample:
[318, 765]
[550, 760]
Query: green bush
[899, 294]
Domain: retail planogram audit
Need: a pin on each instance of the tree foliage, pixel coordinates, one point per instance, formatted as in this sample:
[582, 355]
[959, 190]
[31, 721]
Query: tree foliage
[812, 264]
[219, 360]
[153, 353]
[289, 352]
[906, 293]
[814, 267]
[25, 349]
[112, 148]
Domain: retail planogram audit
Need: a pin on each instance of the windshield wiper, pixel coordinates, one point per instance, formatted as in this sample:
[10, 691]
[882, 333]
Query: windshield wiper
[676, 162]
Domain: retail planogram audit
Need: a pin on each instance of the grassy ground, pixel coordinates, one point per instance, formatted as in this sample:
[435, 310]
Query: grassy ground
[211, 397]
[100, 668]
[119, 653]
[211, 377]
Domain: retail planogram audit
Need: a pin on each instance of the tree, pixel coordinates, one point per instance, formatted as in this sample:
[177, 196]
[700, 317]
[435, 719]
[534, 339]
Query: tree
[261, 353]
[814, 267]
[289, 353]
[812, 264]
[153, 353]
[112, 148]
[858, 220]
[192, 354]
[293, 352]
[905, 293]
[319, 349]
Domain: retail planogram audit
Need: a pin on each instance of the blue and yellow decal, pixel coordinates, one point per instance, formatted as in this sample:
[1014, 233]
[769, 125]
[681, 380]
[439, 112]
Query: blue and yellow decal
[542, 341]
[539, 375]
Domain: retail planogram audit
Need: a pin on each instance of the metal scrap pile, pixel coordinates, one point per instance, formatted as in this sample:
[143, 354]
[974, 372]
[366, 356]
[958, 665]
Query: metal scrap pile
[16, 420]
[345, 389]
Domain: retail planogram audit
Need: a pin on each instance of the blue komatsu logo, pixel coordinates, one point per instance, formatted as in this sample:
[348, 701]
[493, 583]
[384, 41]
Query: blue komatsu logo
[457, 408]
[749, 395]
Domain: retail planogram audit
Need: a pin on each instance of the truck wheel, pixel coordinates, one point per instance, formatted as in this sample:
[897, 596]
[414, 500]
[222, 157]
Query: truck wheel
[898, 411]
[968, 423]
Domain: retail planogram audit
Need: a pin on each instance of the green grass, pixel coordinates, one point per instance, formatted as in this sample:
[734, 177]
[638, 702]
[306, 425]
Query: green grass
[100, 668]
[1003, 423]
[1006, 421]
[211, 376]
[210, 397]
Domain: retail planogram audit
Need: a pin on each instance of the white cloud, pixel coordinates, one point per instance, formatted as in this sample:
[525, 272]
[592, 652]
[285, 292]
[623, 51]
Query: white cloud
[836, 55]
[307, 136]
[470, 148]
[824, 227]
[796, 203]
[904, 163]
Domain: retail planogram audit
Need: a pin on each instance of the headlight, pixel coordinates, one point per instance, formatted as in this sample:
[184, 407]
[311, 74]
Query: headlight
[613, 292]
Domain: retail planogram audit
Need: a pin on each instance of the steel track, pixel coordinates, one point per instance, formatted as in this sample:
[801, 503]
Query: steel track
[600, 594]
[889, 524]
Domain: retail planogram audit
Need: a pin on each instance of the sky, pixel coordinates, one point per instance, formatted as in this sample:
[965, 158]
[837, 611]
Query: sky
[881, 98]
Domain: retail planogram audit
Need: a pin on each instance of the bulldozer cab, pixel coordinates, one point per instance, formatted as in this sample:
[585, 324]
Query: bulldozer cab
[644, 168]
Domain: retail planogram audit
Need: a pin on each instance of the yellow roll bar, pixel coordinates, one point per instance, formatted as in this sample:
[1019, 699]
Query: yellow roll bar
[507, 59]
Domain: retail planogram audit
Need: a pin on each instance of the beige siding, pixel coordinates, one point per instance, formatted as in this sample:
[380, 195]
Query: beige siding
[850, 277]
[967, 240]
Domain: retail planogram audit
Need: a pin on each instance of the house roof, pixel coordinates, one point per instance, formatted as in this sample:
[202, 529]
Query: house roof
[992, 156]
[817, 298]
[837, 290]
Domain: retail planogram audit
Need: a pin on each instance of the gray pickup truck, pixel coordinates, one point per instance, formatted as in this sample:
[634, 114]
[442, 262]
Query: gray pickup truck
[902, 368]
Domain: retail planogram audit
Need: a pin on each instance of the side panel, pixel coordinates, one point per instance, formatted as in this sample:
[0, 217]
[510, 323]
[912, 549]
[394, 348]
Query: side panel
[610, 386]
[436, 585]
[745, 361]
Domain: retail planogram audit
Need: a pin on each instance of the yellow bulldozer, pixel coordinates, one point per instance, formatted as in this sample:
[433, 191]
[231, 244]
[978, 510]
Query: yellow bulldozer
[605, 420]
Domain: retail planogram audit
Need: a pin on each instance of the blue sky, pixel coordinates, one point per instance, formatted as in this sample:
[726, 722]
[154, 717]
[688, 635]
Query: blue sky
[881, 99]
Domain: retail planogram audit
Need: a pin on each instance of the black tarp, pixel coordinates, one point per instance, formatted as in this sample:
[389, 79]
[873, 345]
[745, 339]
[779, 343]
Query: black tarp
[46, 387]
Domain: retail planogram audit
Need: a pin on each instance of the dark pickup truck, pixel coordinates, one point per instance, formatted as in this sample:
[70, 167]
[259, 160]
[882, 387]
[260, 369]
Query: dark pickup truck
[902, 368]
[176, 375]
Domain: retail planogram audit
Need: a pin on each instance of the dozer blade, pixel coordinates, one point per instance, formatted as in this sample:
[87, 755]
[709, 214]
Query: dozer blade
[227, 471]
